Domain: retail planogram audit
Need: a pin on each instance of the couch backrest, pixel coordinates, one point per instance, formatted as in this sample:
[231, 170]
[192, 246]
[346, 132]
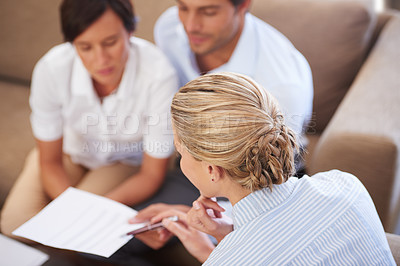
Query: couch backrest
[148, 11]
[28, 30]
[332, 35]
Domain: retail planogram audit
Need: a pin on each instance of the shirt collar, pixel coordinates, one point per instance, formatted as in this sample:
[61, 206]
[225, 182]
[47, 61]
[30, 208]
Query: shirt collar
[129, 74]
[81, 82]
[243, 59]
[261, 201]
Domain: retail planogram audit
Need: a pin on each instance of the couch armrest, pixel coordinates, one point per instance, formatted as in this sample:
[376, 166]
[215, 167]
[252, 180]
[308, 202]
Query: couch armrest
[363, 137]
[394, 244]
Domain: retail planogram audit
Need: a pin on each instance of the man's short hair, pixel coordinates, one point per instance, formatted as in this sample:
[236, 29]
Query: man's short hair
[237, 2]
[78, 15]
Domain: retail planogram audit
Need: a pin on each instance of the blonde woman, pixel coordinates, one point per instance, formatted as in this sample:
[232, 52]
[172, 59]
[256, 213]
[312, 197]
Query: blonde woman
[235, 144]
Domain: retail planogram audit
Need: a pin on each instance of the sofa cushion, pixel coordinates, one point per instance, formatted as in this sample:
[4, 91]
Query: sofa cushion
[332, 35]
[16, 137]
[394, 244]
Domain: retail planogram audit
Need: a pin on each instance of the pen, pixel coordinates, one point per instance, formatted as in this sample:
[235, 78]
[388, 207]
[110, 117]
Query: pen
[149, 227]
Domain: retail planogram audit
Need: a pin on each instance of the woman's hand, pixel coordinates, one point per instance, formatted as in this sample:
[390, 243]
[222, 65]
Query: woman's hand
[206, 216]
[149, 212]
[197, 243]
[155, 239]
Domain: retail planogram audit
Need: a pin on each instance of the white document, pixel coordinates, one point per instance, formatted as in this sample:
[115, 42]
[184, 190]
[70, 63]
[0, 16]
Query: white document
[81, 221]
[13, 252]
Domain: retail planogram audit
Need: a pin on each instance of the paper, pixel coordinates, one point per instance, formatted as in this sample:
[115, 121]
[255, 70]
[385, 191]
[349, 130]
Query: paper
[81, 221]
[13, 252]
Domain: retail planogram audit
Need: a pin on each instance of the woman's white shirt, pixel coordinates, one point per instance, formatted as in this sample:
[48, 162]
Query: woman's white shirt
[132, 120]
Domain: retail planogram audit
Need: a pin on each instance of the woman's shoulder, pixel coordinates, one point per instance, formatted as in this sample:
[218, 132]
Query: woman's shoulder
[146, 49]
[150, 57]
[59, 57]
[337, 182]
[336, 176]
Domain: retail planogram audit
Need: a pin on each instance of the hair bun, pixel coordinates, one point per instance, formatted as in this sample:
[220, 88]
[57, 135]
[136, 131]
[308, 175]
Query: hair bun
[270, 160]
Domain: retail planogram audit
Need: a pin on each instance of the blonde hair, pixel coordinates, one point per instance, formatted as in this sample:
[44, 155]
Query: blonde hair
[228, 120]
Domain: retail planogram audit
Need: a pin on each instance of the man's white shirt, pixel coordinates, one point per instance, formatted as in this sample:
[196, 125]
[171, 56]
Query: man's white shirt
[262, 53]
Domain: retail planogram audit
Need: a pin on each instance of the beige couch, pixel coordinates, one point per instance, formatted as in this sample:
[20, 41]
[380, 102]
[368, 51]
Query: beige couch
[355, 59]
[353, 52]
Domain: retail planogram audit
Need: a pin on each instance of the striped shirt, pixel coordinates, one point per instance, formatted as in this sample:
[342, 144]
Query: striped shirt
[326, 219]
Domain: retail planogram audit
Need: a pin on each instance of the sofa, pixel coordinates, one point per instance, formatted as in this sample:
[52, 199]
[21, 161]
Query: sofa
[354, 54]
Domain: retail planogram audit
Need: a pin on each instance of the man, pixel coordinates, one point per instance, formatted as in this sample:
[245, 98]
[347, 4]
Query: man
[201, 36]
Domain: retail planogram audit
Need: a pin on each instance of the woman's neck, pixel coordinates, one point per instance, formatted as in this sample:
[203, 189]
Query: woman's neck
[235, 192]
[104, 90]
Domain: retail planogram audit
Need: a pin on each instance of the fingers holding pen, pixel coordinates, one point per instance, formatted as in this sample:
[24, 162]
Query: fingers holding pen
[178, 228]
[155, 238]
[148, 213]
[168, 213]
[196, 242]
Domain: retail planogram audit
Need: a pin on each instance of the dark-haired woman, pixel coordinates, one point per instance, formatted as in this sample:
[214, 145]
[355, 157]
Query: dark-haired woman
[100, 104]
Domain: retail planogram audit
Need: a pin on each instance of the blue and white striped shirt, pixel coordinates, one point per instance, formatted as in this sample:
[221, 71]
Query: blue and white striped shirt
[326, 219]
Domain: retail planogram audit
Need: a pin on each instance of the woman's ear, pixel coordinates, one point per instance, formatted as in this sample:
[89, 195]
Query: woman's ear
[216, 172]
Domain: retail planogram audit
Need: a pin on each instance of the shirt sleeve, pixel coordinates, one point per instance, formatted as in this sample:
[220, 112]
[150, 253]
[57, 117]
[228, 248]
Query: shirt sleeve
[46, 116]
